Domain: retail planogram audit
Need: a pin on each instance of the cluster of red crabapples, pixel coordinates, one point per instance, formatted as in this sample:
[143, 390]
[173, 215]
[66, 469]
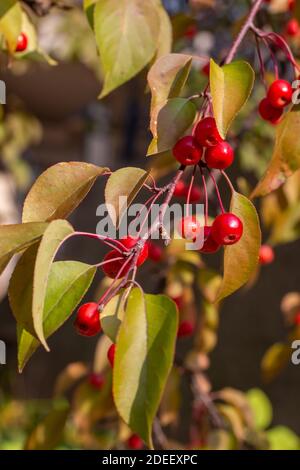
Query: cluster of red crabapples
[279, 96]
[207, 149]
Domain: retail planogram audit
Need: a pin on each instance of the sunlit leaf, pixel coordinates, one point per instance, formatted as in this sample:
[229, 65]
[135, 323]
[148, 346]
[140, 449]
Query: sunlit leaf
[144, 355]
[16, 238]
[164, 43]
[166, 79]
[283, 438]
[286, 156]
[121, 189]
[173, 120]
[230, 87]
[241, 259]
[261, 408]
[11, 22]
[126, 35]
[59, 190]
[112, 316]
[67, 284]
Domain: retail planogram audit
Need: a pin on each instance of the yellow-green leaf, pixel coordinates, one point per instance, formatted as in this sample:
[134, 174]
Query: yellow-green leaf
[261, 408]
[121, 189]
[67, 284]
[241, 259]
[144, 356]
[10, 22]
[230, 87]
[59, 190]
[126, 34]
[166, 79]
[286, 156]
[18, 237]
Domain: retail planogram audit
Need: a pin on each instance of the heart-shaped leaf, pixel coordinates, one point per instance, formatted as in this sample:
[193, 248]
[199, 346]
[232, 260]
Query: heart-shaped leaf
[241, 259]
[126, 36]
[47, 434]
[121, 189]
[166, 79]
[112, 316]
[10, 22]
[15, 238]
[55, 233]
[173, 120]
[59, 190]
[230, 87]
[144, 356]
[67, 284]
[286, 155]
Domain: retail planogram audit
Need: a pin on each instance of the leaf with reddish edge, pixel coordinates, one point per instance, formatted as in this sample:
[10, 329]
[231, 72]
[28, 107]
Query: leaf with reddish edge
[144, 354]
[241, 259]
[231, 86]
[126, 184]
[166, 79]
[286, 156]
[59, 190]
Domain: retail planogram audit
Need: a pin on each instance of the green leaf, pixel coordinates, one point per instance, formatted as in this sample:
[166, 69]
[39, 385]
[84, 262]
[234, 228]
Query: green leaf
[89, 7]
[121, 189]
[261, 408]
[59, 190]
[172, 122]
[126, 36]
[241, 259]
[55, 233]
[47, 434]
[274, 360]
[16, 238]
[144, 356]
[10, 22]
[67, 284]
[230, 86]
[112, 316]
[286, 156]
[282, 438]
[164, 42]
[166, 79]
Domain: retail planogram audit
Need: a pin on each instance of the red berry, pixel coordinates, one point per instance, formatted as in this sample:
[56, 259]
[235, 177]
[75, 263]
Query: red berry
[111, 354]
[187, 151]
[112, 269]
[135, 442]
[220, 156]
[280, 93]
[87, 322]
[266, 254]
[210, 245]
[206, 132]
[186, 328]
[155, 252]
[227, 229]
[206, 69]
[96, 381]
[268, 112]
[292, 27]
[180, 189]
[22, 43]
[178, 301]
[189, 227]
[191, 31]
[291, 5]
[297, 319]
[196, 193]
